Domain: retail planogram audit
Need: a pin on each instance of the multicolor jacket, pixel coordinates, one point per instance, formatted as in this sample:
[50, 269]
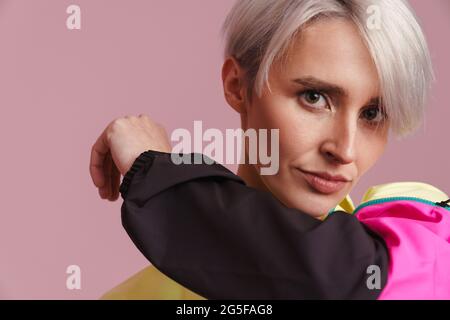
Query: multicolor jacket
[208, 235]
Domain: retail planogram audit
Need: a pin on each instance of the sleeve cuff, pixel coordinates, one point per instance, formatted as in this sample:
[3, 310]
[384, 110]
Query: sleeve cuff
[144, 159]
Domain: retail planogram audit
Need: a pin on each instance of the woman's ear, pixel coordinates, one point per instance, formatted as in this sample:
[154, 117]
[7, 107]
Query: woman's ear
[234, 84]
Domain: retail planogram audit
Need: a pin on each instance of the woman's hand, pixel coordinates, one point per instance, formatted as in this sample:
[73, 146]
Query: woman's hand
[115, 151]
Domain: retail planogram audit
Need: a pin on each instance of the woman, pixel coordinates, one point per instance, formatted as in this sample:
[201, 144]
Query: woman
[335, 77]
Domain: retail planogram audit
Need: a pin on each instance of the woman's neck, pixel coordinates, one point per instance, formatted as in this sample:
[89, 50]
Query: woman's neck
[251, 177]
[248, 173]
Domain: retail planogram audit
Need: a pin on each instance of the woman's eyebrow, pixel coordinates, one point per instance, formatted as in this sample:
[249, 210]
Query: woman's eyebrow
[331, 89]
[374, 101]
[317, 84]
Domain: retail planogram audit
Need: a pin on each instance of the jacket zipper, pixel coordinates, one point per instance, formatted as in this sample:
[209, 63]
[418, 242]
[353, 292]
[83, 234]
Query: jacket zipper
[443, 204]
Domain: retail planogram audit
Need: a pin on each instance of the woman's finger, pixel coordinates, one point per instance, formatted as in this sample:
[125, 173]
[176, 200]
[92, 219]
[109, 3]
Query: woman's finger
[98, 153]
[107, 166]
[115, 182]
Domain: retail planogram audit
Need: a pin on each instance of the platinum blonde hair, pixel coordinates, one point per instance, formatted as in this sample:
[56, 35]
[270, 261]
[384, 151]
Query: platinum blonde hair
[259, 32]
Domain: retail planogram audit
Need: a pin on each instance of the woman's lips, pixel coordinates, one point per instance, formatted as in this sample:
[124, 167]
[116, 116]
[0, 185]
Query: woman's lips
[322, 185]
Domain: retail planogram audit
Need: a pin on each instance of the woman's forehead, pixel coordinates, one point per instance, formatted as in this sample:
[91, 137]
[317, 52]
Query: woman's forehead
[331, 52]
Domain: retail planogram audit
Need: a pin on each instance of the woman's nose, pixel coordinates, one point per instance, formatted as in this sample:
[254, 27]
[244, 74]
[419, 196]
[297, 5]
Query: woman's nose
[340, 145]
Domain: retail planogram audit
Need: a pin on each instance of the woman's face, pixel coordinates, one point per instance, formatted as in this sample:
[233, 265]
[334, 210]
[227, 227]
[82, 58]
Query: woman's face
[324, 101]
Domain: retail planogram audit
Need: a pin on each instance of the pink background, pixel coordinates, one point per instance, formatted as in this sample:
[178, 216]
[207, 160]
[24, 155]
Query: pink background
[60, 88]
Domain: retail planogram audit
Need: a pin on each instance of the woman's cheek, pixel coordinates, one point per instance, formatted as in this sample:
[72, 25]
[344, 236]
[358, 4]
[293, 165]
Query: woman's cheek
[372, 152]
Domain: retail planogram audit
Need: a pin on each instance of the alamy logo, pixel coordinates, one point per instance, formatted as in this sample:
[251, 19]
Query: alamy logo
[73, 21]
[374, 279]
[374, 19]
[258, 143]
[73, 281]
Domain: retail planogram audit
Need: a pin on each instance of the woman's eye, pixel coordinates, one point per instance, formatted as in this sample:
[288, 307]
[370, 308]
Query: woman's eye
[373, 115]
[313, 99]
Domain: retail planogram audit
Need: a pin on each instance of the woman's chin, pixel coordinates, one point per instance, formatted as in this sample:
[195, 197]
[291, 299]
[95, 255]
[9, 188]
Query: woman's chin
[316, 207]
[301, 197]
[315, 204]
[318, 212]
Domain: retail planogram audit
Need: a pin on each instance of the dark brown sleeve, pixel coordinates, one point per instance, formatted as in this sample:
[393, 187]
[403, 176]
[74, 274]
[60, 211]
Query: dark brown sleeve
[203, 227]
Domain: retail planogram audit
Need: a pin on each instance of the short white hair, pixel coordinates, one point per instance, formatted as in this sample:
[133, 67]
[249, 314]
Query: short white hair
[259, 32]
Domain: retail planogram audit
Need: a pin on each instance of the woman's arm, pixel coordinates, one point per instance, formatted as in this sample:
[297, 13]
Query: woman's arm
[203, 227]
